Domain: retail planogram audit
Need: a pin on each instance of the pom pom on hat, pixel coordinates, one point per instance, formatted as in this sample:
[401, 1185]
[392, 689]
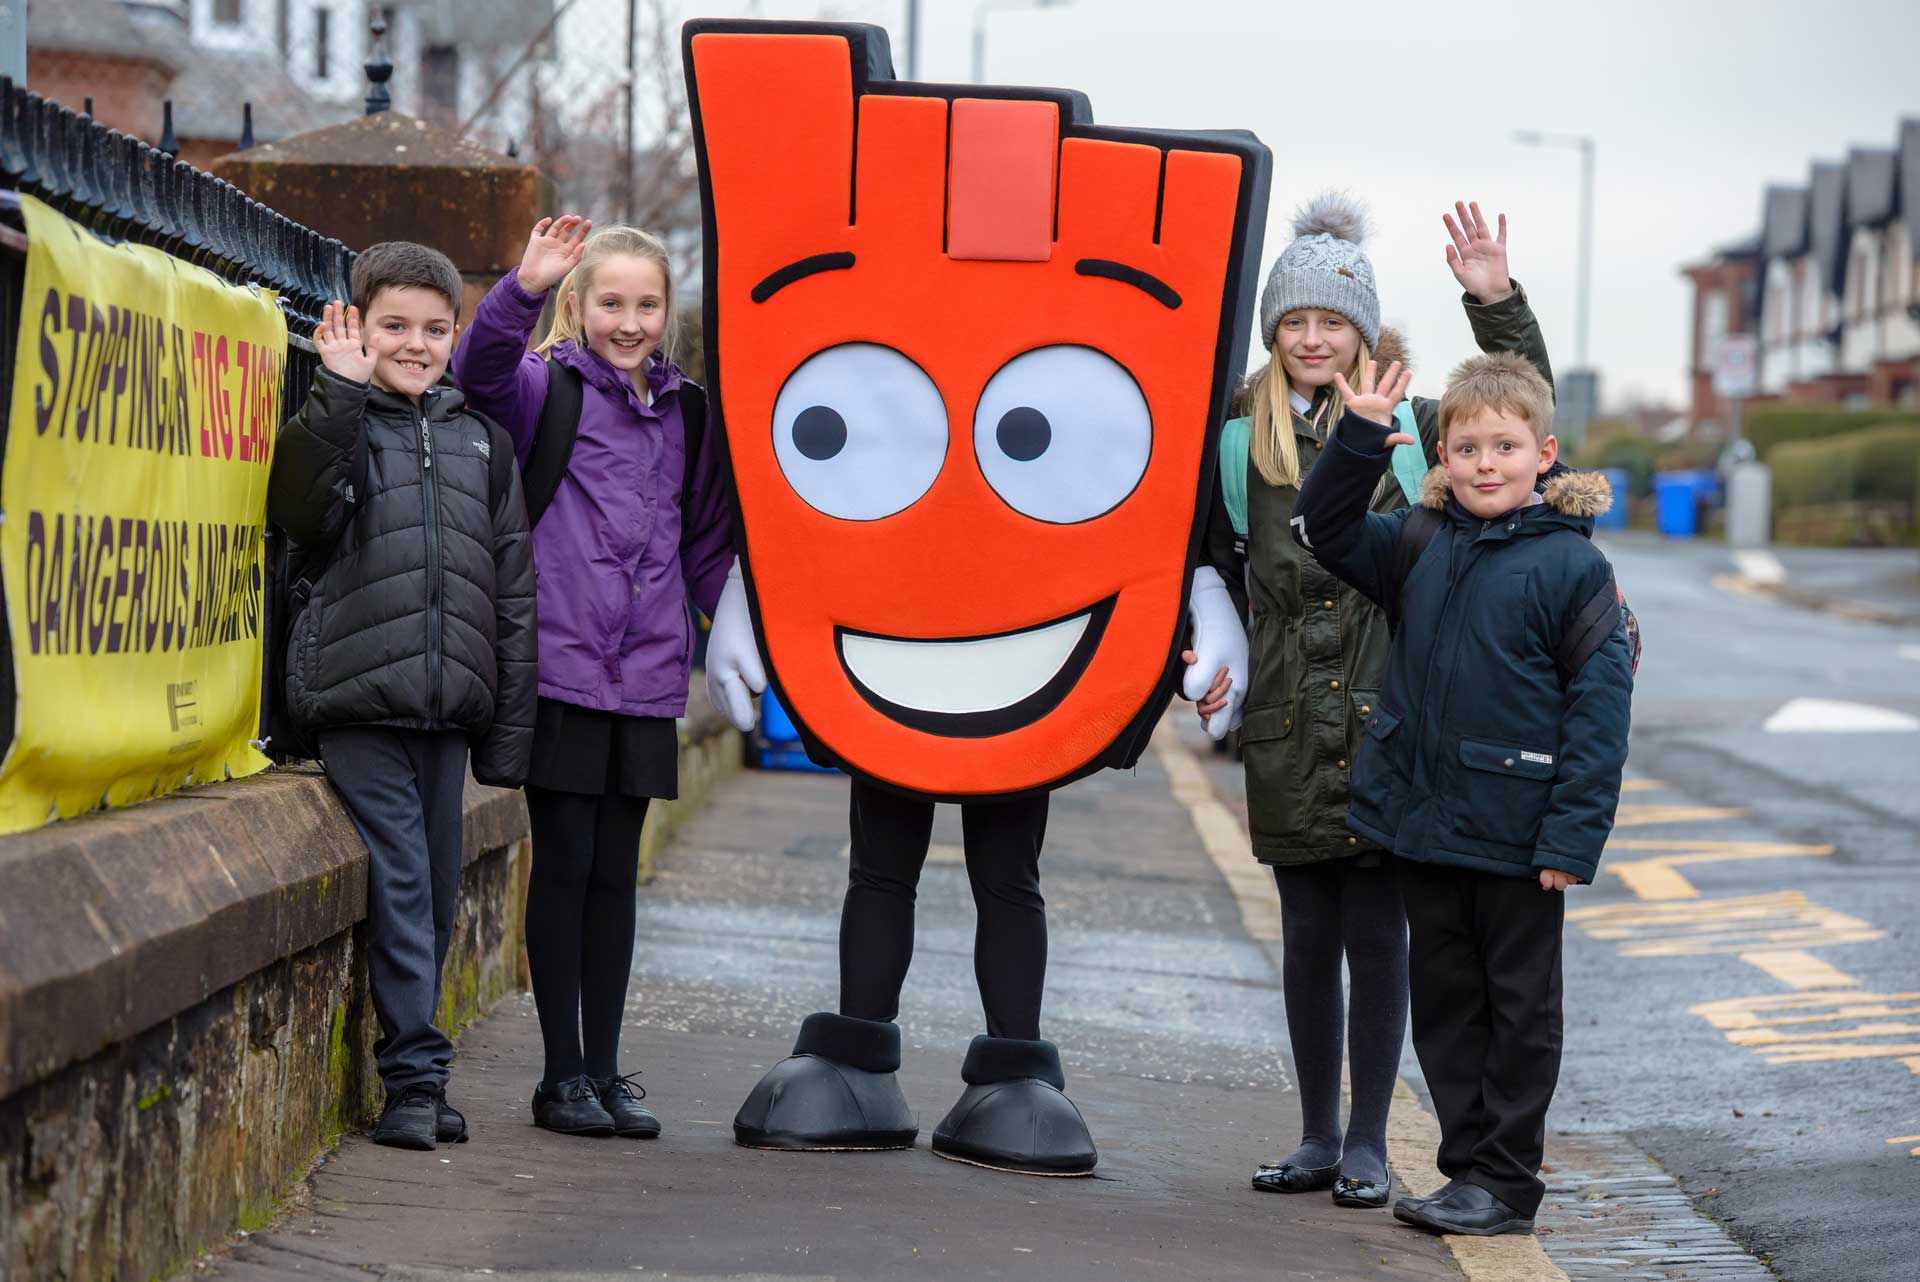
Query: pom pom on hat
[1332, 213]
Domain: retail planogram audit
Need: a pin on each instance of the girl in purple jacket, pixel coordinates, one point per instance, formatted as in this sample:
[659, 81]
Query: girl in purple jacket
[617, 559]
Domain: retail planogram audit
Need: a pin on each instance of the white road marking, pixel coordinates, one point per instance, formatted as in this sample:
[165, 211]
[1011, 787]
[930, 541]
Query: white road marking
[1832, 716]
[1761, 567]
[1910, 652]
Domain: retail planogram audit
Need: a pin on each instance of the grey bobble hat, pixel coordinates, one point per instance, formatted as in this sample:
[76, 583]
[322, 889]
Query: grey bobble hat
[1324, 268]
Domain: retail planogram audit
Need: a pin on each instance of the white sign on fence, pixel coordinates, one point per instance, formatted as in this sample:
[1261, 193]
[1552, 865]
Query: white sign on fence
[1736, 367]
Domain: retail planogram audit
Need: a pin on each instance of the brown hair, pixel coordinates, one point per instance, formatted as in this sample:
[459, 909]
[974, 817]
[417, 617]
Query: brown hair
[1504, 382]
[401, 264]
[611, 242]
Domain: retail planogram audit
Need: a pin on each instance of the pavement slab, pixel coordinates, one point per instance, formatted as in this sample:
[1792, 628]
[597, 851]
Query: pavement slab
[1168, 1016]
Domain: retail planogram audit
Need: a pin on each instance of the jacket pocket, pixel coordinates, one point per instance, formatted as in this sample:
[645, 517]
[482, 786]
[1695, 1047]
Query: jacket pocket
[1261, 725]
[1378, 785]
[303, 672]
[1283, 788]
[1505, 793]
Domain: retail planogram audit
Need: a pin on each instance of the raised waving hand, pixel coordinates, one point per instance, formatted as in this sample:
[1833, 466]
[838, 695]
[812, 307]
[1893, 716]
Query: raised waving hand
[1477, 255]
[552, 250]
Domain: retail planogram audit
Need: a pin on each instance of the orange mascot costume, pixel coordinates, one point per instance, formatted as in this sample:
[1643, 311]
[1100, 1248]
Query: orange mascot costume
[968, 355]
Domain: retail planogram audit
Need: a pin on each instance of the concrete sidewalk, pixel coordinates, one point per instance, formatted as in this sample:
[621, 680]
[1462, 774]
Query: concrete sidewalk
[1168, 1015]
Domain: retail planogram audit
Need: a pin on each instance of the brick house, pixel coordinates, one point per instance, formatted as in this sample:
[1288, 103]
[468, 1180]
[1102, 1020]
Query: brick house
[297, 63]
[1831, 286]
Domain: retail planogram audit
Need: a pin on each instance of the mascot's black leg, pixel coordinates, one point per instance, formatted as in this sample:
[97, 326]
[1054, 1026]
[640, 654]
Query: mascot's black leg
[839, 1089]
[1013, 1115]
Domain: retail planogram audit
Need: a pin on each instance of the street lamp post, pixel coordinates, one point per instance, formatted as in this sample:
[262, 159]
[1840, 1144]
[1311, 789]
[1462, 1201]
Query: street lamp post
[1588, 390]
[980, 12]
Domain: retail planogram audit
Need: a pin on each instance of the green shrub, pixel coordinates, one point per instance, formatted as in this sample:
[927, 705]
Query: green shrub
[1635, 454]
[1688, 456]
[1769, 426]
[1875, 465]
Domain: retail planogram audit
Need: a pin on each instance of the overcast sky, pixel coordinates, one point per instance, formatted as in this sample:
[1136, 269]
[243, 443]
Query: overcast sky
[1695, 106]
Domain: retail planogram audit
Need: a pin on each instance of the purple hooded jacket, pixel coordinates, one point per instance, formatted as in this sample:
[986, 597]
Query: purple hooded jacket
[613, 581]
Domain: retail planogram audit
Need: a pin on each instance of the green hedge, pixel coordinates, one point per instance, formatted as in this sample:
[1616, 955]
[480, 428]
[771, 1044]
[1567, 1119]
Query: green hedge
[1876, 465]
[1770, 426]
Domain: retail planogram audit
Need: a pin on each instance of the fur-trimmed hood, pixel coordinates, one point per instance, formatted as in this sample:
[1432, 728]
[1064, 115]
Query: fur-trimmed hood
[1577, 494]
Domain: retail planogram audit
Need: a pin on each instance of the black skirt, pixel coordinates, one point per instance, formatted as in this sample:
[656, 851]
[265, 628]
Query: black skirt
[586, 751]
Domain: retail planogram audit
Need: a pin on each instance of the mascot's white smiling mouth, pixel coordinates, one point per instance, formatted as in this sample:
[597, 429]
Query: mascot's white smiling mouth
[973, 687]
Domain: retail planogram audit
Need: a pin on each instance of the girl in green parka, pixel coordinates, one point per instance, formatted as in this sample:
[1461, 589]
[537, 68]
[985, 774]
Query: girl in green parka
[1319, 654]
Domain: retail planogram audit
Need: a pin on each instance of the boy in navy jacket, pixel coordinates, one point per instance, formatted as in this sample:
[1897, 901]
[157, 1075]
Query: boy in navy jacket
[1492, 762]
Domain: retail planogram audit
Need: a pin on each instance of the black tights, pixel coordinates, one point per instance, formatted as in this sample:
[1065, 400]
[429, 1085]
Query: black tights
[890, 837]
[1328, 910]
[580, 923]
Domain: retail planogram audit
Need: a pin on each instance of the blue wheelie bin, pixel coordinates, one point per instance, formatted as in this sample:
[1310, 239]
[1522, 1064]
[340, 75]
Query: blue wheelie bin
[1678, 498]
[1615, 517]
[774, 743]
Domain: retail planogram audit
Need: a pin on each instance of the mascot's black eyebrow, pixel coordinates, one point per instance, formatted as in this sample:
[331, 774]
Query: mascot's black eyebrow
[1151, 285]
[1106, 269]
[806, 267]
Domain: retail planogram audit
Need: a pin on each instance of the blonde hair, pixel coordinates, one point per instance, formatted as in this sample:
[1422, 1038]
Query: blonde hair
[616, 241]
[1506, 383]
[1274, 451]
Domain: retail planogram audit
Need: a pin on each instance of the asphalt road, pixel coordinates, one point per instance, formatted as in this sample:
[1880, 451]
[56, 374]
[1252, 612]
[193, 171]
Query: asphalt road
[1776, 1112]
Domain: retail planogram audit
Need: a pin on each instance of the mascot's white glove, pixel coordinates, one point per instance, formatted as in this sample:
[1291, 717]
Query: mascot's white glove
[734, 672]
[1218, 642]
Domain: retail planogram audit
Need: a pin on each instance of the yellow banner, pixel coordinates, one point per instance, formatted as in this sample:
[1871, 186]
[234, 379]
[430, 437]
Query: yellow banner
[146, 394]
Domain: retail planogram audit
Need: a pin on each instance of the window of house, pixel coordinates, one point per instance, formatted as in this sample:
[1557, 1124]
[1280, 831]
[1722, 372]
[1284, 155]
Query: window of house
[322, 43]
[226, 12]
[1713, 323]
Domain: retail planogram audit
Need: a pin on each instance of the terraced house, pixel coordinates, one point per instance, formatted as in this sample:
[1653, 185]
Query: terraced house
[1830, 284]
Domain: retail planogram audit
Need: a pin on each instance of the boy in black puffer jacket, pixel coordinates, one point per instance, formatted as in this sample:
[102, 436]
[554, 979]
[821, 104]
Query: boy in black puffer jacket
[1492, 763]
[417, 639]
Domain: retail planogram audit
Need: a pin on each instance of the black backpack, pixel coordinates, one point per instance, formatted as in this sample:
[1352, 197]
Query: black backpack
[559, 429]
[292, 572]
[1591, 627]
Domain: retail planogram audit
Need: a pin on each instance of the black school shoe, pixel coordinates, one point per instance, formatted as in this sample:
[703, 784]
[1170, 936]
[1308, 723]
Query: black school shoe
[1014, 1115]
[1404, 1209]
[450, 1124]
[1285, 1177]
[1362, 1195]
[838, 1091]
[409, 1120]
[571, 1107]
[1471, 1210]
[621, 1097]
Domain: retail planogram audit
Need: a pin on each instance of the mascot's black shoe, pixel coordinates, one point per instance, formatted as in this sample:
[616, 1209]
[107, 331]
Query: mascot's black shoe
[1013, 1116]
[838, 1091]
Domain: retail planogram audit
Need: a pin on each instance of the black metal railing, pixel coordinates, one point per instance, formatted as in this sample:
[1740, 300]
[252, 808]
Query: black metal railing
[124, 190]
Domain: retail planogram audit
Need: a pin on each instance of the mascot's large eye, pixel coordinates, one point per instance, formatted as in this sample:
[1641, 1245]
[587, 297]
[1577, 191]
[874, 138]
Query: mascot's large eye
[1063, 433]
[860, 431]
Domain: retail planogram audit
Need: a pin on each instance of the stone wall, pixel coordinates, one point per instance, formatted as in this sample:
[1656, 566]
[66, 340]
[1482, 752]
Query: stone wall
[184, 1018]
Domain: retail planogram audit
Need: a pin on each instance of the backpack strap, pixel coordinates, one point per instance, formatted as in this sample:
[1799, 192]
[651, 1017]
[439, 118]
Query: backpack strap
[1416, 532]
[1235, 437]
[553, 439]
[1409, 461]
[693, 429]
[1590, 629]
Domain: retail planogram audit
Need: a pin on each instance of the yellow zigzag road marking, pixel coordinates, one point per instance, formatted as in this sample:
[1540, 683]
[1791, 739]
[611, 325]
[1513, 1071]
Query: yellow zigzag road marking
[1690, 928]
[1657, 879]
[1644, 816]
[1798, 969]
[1755, 1023]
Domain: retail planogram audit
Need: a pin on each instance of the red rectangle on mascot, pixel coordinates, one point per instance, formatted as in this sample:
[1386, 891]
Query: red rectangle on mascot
[969, 355]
